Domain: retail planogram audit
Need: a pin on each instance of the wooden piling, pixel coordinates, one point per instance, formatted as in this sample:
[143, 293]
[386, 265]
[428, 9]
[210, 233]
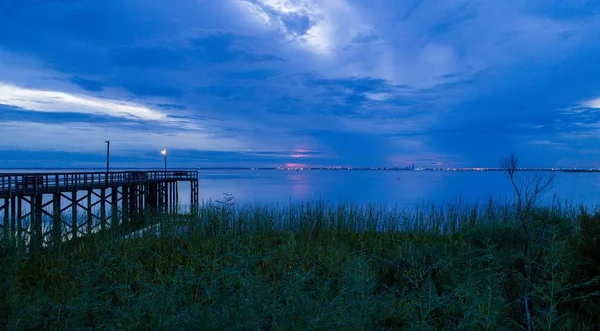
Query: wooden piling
[125, 202]
[36, 228]
[74, 224]
[89, 211]
[172, 197]
[194, 197]
[102, 209]
[56, 221]
[114, 210]
[132, 204]
[19, 217]
[163, 198]
[6, 215]
[13, 219]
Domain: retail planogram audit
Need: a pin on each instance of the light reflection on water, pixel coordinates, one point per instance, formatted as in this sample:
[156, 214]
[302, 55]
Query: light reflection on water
[386, 187]
[402, 188]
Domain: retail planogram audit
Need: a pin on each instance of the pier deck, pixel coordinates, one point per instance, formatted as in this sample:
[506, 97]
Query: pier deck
[34, 206]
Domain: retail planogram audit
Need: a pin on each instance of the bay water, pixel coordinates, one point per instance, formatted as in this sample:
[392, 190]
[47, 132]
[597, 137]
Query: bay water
[399, 188]
[388, 187]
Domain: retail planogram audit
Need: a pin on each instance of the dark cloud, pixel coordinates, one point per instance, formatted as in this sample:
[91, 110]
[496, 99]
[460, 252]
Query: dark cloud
[152, 89]
[223, 46]
[148, 57]
[87, 84]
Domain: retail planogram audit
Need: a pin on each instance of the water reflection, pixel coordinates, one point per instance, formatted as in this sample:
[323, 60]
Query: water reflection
[388, 187]
[300, 185]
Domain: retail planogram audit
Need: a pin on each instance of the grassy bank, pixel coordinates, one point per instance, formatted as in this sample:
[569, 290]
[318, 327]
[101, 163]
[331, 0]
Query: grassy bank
[320, 266]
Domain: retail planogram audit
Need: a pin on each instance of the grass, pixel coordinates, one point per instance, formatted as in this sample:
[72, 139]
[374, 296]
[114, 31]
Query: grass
[318, 265]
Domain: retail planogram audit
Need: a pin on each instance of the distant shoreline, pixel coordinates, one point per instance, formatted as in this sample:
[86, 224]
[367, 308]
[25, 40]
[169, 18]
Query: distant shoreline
[310, 168]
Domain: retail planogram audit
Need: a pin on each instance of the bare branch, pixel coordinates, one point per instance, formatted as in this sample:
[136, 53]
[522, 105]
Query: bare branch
[509, 165]
[528, 188]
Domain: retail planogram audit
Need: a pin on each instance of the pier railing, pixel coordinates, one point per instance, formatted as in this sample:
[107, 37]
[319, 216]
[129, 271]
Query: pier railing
[45, 183]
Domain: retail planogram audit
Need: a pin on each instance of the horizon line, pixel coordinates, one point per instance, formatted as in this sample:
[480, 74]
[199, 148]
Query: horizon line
[374, 168]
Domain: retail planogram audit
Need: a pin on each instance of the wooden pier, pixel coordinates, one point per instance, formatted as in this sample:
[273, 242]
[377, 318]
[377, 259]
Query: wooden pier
[47, 209]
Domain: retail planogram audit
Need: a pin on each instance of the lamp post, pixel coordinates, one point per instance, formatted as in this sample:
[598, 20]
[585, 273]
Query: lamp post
[164, 152]
[107, 155]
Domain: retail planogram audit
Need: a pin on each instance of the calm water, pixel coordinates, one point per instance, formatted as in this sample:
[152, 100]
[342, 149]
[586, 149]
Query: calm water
[387, 187]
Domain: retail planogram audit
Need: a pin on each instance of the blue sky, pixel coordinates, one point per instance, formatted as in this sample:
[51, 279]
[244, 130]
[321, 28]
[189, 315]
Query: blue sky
[307, 82]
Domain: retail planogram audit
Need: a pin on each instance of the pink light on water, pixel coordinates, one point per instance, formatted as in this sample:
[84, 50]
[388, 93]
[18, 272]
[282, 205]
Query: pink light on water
[300, 184]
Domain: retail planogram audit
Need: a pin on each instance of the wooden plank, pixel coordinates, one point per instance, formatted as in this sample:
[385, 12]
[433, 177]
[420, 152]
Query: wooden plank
[82, 198]
[47, 213]
[66, 197]
[97, 195]
[47, 204]
[46, 183]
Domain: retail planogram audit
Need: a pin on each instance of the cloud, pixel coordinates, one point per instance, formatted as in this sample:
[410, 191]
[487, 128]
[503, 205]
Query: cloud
[62, 102]
[548, 143]
[595, 103]
[333, 40]
[377, 96]
[417, 43]
[320, 27]
[86, 137]
[301, 153]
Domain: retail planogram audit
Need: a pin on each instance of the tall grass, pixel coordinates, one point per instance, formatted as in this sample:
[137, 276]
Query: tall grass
[317, 265]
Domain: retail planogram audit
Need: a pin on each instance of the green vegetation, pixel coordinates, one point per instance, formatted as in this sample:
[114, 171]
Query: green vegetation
[320, 265]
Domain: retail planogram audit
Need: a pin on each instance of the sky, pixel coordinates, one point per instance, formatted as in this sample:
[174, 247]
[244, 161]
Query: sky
[242, 83]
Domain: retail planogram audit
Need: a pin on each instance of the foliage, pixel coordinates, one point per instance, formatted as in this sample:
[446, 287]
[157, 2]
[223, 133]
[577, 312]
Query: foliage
[318, 265]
